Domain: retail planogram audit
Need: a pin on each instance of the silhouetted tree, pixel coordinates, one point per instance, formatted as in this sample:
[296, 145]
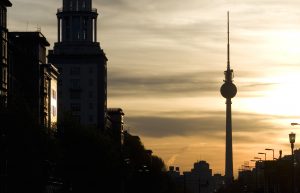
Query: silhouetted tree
[145, 173]
[27, 148]
[83, 159]
[90, 161]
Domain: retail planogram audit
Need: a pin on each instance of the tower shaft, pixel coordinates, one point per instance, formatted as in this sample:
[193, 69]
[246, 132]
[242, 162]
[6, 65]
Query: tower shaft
[229, 156]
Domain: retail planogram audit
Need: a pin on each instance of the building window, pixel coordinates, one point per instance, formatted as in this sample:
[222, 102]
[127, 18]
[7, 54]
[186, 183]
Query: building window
[91, 70]
[90, 94]
[75, 83]
[91, 118]
[4, 49]
[76, 118]
[71, 4]
[84, 35]
[91, 82]
[83, 4]
[54, 94]
[75, 107]
[4, 77]
[53, 109]
[76, 5]
[75, 71]
[75, 94]
[67, 24]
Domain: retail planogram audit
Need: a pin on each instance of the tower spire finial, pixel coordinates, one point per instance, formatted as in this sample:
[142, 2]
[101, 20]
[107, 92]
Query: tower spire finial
[228, 45]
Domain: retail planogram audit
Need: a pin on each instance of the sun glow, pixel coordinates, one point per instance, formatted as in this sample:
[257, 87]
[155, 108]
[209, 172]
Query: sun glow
[288, 41]
[283, 99]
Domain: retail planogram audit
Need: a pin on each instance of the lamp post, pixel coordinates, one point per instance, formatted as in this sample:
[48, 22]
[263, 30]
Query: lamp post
[263, 154]
[292, 137]
[268, 149]
[264, 173]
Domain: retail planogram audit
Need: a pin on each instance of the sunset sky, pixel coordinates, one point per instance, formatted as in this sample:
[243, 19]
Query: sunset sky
[165, 68]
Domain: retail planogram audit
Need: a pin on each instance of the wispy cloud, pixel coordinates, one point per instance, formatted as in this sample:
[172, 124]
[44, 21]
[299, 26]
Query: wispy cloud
[201, 83]
[210, 125]
[191, 84]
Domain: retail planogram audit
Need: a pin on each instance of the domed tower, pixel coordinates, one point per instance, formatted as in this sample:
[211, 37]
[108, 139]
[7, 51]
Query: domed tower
[82, 64]
[228, 91]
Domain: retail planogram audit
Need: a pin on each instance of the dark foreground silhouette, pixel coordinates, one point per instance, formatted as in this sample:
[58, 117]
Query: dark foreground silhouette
[75, 159]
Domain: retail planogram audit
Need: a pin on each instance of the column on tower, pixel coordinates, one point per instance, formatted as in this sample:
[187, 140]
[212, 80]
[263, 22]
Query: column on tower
[95, 29]
[58, 29]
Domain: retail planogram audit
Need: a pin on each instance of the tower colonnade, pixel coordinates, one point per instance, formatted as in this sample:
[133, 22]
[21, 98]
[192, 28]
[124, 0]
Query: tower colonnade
[77, 21]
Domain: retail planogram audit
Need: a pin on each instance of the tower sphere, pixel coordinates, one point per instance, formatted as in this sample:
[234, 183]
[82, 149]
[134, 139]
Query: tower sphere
[228, 90]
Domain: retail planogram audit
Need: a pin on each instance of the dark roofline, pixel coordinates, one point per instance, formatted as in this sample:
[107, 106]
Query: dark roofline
[52, 68]
[115, 111]
[42, 38]
[6, 3]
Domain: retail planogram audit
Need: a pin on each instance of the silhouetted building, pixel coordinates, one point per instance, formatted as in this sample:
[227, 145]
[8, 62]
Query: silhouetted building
[199, 179]
[3, 51]
[228, 91]
[177, 178]
[32, 82]
[115, 124]
[218, 181]
[48, 75]
[3, 95]
[82, 88]
[271, 176]
[174, 172]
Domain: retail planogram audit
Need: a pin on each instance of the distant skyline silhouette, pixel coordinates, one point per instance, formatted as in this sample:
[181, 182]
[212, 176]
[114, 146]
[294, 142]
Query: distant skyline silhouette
[166, 62]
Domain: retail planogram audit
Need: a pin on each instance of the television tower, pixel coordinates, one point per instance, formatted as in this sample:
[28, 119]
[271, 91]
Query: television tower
[228, 91]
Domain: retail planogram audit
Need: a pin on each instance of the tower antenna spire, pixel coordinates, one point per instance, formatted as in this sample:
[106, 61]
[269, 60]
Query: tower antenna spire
[228, 45]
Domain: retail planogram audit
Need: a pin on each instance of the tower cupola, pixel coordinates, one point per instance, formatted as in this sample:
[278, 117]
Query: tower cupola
[77, 22]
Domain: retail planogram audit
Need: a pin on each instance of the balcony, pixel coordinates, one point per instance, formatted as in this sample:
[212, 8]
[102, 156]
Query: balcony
[61, 10]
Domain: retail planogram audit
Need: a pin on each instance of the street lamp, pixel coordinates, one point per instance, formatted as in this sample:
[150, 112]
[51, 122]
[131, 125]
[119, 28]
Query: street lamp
[257, 158]
[268, 149]
[292, 137]
[263, 154]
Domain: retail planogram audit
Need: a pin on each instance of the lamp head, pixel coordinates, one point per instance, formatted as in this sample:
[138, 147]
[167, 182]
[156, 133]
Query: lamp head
[292, 137]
